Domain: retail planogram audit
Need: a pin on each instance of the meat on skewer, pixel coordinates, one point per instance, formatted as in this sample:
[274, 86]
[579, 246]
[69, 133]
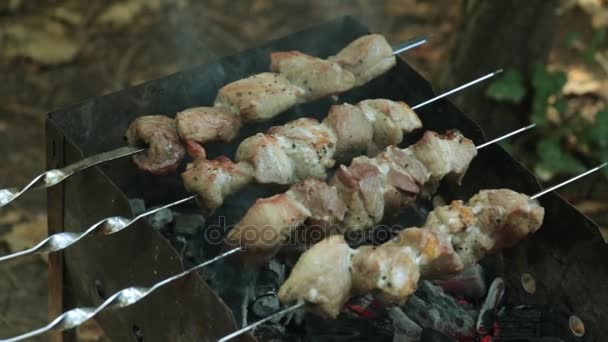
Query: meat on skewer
[295, 78]
[165, 149]
[357, 197]
[300, 149]
[454, 237]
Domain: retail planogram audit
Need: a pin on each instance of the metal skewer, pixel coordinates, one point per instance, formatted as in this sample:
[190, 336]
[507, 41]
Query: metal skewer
[262, 321]
[56, 176]
[111, 225]
[300, 304]
[123, 298]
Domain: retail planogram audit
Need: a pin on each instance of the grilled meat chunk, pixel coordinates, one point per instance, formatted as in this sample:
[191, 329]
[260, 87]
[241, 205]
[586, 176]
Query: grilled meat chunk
[389, 271]
[367, 58]
[321, 277]
[352, 129]
[204, 124]
[265, 225]
[502, 218]
[491, 221]
[159, 133]
[447, 155]
[316, 78]
[258, 97]
[295, 151]
[215, 179]
[389, 120]
[270, 221]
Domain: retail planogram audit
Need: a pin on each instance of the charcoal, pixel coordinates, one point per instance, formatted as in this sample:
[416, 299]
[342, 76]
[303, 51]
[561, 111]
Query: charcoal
[265, 305]
[138, 206]
[469, 283]
[432, 335]
[431, 307]
[188, 224]
[161, 219]
[406, 330]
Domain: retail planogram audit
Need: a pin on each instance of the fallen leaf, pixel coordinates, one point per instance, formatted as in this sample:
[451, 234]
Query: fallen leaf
[40, 39]
[579, 81]
[122, 13]
[25, 234]
[90, 332]
[70, 16]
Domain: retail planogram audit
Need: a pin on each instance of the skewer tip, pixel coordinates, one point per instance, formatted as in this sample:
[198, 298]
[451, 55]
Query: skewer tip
[555, 187]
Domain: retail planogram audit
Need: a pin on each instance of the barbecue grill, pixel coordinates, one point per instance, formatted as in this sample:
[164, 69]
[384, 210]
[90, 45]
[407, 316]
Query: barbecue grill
[563, 256]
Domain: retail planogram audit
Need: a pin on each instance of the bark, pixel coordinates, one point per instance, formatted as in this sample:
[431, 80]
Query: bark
[492, 35]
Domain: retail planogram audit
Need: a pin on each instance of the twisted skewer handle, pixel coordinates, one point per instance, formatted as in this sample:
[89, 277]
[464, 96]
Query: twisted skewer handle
[107, 226]
[123, 298]
[56, 176]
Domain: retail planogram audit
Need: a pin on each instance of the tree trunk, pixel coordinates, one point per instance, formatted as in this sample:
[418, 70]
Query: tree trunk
[492, 35]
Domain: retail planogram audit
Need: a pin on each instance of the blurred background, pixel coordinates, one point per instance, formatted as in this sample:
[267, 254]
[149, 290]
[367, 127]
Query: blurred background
[54, 53]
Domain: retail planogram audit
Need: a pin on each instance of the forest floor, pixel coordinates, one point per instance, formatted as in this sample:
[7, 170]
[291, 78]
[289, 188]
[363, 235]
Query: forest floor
[56, 53]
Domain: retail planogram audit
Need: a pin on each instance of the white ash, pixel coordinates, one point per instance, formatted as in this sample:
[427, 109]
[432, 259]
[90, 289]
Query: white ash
[138, 206]
[188, 224]
[266, 305]
[160, 220]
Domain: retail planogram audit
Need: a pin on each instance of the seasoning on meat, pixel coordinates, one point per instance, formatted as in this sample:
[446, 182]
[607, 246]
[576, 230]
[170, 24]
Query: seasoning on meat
[159, 134]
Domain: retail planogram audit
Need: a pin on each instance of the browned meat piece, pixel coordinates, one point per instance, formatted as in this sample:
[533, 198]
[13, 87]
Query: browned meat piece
[309, 144]
[360, 187]
[165, 150]
[422, 242]
[204, 124]
[370, 187]
[213, 180]
[321, 199]
[258, 97]
[389, 271]
[315, 77]
[265, 226]
[295, 151]
[444, 155]
[502, 218]
[269, 222]
[353, 130]
[367, 57]
[321, 277]
[491, 221]
[270, 162]
[389, 120]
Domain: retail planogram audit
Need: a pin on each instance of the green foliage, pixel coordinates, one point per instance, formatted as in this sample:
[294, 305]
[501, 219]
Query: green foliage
[596, 136]
[572, 37]
[554, 160]
[545, 84]
[509, 87]
[545, 92]
[594, 45]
